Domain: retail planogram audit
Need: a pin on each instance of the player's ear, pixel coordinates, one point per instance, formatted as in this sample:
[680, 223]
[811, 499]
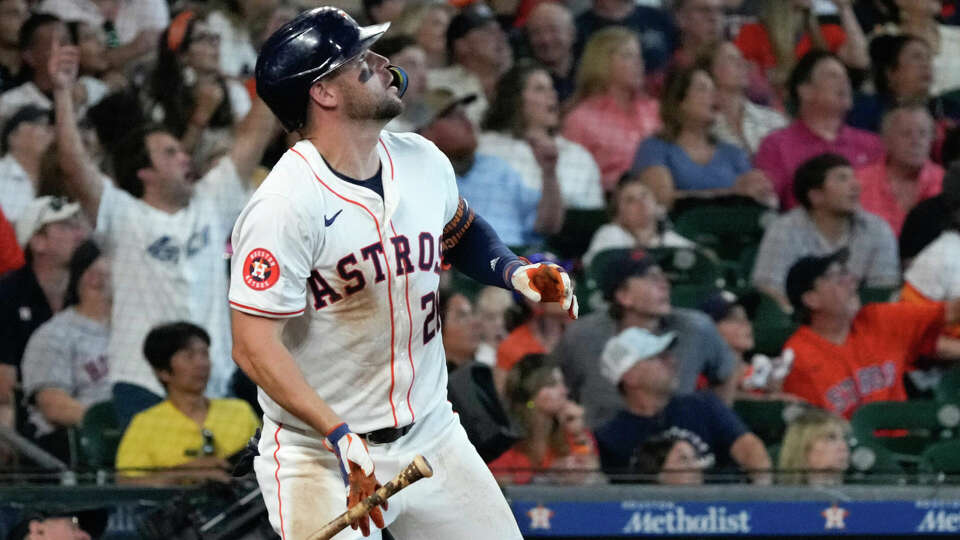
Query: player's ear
[325, 95]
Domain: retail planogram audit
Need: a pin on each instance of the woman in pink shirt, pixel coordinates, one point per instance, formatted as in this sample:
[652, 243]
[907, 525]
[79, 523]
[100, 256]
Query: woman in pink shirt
[610, 113]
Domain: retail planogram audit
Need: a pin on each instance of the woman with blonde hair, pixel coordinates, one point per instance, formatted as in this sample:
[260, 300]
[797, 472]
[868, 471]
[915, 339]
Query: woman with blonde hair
[788, 29]
[610, 113]
[427, 24]
[815, 449]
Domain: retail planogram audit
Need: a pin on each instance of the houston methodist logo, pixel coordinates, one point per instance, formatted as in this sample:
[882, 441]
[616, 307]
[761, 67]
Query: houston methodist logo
[260, 270]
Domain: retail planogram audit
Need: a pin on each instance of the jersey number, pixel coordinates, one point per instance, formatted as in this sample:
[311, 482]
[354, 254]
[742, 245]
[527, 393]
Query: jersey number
[431, 323]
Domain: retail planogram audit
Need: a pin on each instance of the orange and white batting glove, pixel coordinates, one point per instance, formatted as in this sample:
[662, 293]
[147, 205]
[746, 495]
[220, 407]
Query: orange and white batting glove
[356, 468]
[546, 282]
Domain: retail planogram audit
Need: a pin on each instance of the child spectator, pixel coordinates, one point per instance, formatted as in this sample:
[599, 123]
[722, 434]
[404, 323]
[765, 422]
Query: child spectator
[557, 447]
[669, 459]
[815, 450]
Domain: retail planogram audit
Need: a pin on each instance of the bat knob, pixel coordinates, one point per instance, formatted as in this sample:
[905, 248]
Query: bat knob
[423, 466]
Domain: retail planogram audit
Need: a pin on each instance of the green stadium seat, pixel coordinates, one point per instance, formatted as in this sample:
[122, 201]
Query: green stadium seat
[912, 426]
[578, 228]
[689, 266]
[100, 435]
[948, 389]
[726, 229]
[873, 464]
[767, 419]
[869, 295]
[771, 326]
[942, 457]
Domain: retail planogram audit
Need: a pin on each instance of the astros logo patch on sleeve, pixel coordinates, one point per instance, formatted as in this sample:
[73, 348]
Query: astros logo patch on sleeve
[260, 270]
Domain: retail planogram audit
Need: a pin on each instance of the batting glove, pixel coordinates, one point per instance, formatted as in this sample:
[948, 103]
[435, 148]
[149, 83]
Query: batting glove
[356, 468]
[546, 282]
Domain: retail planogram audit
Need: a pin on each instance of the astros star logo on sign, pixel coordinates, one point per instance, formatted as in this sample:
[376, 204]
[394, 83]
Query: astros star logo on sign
[260, 270]
[834, 517]
[540, 517]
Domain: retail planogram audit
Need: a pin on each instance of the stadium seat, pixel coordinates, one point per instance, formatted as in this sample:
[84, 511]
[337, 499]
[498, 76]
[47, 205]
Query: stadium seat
[942, 457]
[767, 419]
[578, 228]
[689, 266]
[873, 464]
[771, 326]
[948, 389]
[905, 428]
[100, 435]
[870, 295]
[725, 229]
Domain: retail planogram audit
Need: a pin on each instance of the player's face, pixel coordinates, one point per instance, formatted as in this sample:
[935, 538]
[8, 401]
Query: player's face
[190, 367]
[366, 88]
[681, 467]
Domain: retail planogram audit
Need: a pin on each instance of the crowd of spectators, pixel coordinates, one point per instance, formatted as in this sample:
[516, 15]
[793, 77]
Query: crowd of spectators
[586, 132]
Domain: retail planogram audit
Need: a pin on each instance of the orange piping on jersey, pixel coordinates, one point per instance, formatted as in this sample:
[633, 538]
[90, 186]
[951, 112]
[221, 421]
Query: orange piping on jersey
[386, 261]
[265, 312]
[390, 159]
[413, 370]
[276, 475]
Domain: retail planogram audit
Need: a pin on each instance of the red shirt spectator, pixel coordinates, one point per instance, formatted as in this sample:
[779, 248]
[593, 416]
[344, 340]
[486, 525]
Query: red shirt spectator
[877, 196]
[754, 42]
[518, 344]
[11, 256]
[845, 356]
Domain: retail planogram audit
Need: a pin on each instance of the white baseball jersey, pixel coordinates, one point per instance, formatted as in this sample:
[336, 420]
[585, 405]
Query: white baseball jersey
[358, 274]
[935, 272]
[170, 267]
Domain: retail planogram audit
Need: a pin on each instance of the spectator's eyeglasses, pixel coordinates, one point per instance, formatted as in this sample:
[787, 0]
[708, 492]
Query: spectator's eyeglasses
[208, 448]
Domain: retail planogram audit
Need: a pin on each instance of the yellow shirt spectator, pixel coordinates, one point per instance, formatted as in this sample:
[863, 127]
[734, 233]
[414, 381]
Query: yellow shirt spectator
[163, 437]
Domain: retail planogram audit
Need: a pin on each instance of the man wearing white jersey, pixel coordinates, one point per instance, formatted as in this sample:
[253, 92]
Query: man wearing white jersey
[166, 233]
[334, 289]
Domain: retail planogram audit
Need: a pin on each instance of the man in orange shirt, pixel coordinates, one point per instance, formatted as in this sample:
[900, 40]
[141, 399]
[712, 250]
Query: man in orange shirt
[846, 355]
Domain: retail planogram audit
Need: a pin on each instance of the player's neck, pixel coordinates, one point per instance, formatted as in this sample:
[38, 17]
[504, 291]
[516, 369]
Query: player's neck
[351, 151]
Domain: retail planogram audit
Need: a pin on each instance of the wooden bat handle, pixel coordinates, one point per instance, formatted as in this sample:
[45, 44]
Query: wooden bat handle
[417, 469]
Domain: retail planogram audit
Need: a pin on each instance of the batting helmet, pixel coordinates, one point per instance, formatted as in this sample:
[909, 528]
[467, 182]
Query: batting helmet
[302, 51]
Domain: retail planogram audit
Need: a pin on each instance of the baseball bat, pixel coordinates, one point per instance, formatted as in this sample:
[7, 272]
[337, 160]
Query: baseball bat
[417, 469]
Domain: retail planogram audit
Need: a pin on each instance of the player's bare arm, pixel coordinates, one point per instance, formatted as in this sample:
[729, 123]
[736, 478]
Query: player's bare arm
[84, 181]
[259, 351]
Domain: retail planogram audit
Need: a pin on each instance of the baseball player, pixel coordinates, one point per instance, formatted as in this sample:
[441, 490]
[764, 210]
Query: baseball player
[334, 289]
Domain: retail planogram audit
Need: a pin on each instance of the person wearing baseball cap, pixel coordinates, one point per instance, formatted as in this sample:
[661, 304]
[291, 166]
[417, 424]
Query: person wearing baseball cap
[495, 190]
[479, 54]
[60, 524]
[846, 355]
[49, 230]
[638, 295]
[640, 364]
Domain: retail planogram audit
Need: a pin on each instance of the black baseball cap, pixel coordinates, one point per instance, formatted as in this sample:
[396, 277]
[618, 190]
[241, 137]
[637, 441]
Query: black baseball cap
[472, 16]
[621, 266]
[804, 273]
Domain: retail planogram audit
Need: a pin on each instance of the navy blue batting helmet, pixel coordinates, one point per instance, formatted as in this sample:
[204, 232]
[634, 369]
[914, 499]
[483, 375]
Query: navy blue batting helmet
[302, 51]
